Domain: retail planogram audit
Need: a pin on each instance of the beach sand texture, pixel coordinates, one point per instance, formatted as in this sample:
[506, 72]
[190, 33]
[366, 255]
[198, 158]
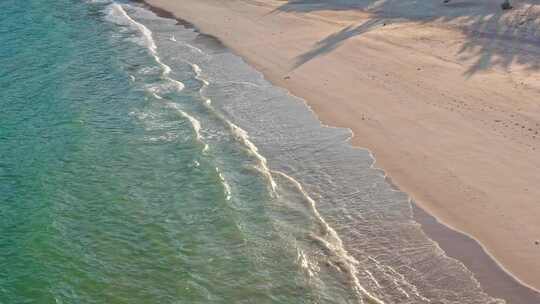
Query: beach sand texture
[446, 96]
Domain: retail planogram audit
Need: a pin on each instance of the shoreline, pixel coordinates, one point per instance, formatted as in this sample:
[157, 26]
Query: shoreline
[396, 182]
[492, 276]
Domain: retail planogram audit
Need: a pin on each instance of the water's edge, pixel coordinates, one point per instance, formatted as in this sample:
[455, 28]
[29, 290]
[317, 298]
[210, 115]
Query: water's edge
[493, 277]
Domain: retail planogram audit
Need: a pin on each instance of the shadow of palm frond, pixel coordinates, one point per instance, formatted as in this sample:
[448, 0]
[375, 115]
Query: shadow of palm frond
[493, 38]
[333, 41]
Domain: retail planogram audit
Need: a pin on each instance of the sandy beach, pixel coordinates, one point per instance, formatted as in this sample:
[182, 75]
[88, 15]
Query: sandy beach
[445, 96]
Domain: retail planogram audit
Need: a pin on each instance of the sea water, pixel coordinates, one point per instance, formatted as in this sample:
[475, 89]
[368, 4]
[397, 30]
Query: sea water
[143, 162]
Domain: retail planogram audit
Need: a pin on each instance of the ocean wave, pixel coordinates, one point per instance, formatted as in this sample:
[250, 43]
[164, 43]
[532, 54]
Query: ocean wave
[226, 186]
[331, 240]
[333, 243]
[238, 133]
[118, 15]
[195, 123]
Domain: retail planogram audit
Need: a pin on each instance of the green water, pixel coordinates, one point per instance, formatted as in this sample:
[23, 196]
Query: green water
[98, 207]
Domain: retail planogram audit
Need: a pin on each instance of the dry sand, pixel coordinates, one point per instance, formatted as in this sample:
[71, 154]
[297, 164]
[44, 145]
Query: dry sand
[447, 97]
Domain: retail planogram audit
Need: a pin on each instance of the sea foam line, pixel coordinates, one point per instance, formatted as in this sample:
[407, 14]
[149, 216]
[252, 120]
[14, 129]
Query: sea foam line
[239, 134]
[195, 124]
[148, 42]
[226, 186]
[335, 245]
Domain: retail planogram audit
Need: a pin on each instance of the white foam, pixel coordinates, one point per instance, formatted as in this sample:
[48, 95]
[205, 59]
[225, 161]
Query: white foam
[195, 124]
[238, 133]
[198, 74]
[118, 15]
[156, 95]
[226, 186]
[333, 243]
[242, 136]
[304, 263]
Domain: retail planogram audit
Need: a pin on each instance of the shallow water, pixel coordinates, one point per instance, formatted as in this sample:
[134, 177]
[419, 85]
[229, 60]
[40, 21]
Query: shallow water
[142, 162]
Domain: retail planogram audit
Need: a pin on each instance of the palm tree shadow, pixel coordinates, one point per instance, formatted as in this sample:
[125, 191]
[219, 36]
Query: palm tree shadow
[333, 41]
[503, 45]
[493, 38]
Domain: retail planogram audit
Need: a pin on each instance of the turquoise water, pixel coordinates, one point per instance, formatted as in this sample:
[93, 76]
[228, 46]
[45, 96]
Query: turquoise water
[142, 162]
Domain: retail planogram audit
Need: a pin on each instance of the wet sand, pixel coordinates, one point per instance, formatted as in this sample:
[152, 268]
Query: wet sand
[448, 104]
[494, 280]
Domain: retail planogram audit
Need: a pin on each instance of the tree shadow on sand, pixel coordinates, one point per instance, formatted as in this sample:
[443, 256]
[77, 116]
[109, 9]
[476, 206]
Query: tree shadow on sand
[494, 38]
[333, 41]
